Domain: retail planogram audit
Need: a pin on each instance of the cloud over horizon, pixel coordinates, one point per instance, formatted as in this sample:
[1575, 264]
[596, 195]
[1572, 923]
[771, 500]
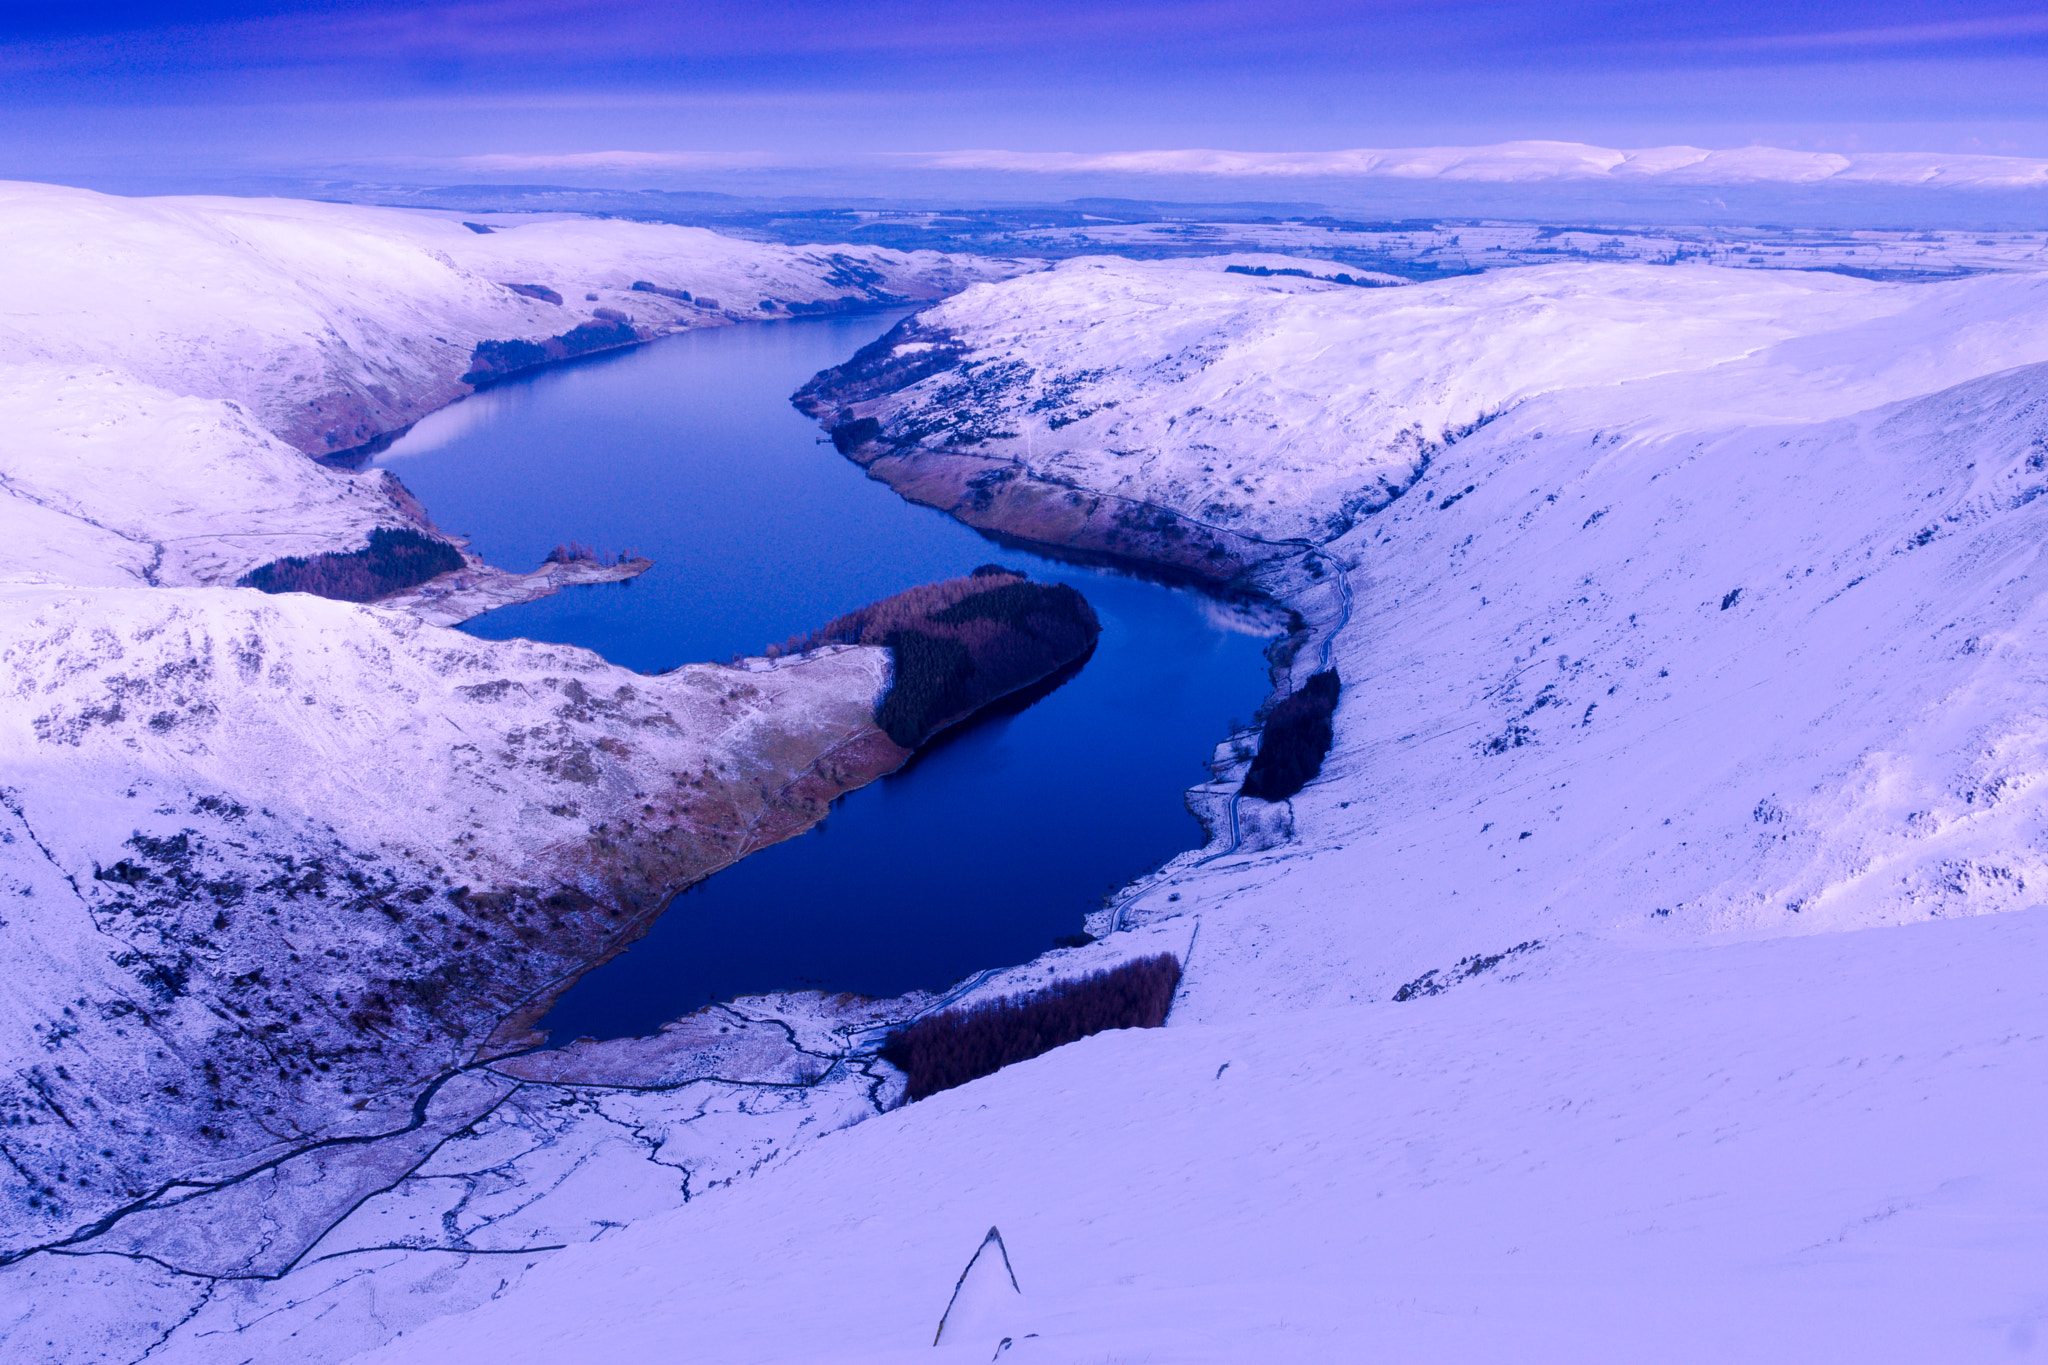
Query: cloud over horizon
[295, 83]
[1511, 162]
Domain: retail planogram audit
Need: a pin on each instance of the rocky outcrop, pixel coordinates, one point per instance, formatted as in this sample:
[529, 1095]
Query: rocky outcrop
[476, 588]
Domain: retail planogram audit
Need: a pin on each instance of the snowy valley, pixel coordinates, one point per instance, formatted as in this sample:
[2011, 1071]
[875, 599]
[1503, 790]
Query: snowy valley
[1641, 977]
[1648, 974]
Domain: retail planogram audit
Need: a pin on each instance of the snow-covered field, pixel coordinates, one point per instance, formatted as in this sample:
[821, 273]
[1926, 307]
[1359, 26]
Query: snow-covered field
[1650, 974]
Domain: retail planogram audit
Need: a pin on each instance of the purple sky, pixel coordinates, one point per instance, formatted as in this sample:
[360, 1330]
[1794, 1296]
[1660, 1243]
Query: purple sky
[263, 85]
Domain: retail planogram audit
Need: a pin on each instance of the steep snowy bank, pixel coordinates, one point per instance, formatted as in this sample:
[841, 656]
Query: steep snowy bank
[1632, 983]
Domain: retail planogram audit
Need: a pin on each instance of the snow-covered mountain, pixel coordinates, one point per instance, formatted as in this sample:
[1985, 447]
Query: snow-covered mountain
[333, 324]
[1648, 973]
[166, 358]
[1271, 408]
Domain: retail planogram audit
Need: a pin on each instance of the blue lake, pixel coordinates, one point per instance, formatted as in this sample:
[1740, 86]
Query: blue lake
[996, 838]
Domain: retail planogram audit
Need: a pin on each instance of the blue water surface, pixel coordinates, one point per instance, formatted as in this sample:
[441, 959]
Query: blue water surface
[995, 839]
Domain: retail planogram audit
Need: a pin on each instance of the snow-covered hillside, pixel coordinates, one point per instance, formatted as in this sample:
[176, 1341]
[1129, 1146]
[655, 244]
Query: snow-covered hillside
[334, 324]
[1817, 1150]
[1283, 407]
[114, 482]
[1648, 972]
[287, 856]
[282, 874]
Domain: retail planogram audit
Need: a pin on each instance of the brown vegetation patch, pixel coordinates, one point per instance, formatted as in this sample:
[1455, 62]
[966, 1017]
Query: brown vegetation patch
[962, 643]
[954, 1047]
[1296, 738]
[394, 560]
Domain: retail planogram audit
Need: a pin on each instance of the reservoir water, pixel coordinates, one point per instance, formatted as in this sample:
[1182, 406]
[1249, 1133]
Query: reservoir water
[996, 838]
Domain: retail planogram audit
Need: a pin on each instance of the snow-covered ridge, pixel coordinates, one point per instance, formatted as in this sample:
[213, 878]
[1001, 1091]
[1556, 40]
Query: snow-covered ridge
[1282, 407]
[1523, 162]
